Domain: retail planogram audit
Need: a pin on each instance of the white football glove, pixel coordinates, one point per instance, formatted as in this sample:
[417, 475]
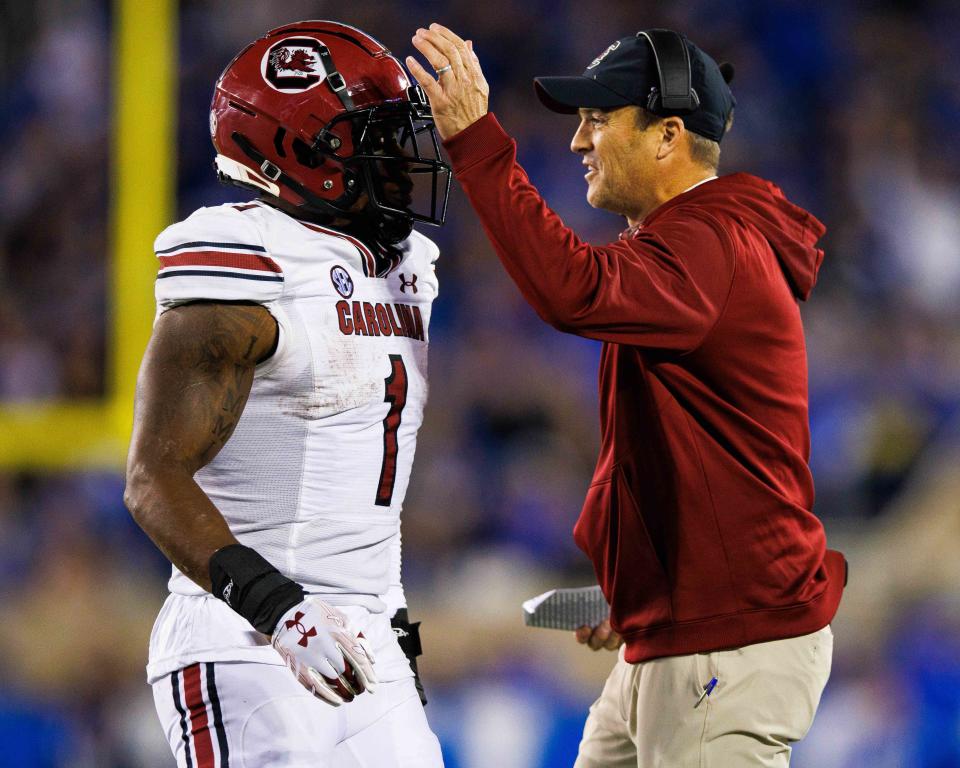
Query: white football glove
[323, 653]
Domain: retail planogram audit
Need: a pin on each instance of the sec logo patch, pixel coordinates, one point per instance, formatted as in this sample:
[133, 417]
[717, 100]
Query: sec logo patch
[342, 281]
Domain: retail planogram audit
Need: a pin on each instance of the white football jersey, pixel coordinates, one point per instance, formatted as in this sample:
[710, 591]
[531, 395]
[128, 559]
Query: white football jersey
[315, 473]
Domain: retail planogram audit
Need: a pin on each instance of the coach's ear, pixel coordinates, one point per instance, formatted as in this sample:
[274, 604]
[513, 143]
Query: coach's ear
[672, 135]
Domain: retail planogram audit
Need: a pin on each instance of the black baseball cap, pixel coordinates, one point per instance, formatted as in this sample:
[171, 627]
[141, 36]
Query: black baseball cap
[626, 72]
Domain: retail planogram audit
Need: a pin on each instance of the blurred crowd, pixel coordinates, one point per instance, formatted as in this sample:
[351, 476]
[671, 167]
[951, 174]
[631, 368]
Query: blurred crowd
[852, 108]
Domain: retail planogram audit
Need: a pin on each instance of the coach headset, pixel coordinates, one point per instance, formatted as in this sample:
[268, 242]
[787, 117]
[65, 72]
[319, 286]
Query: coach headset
[670, 54]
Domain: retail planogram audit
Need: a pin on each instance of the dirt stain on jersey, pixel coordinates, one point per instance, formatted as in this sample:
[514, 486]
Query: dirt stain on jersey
[349, 377]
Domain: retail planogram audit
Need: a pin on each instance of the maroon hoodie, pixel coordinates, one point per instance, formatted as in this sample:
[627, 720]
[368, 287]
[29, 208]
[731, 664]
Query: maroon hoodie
[698, 520]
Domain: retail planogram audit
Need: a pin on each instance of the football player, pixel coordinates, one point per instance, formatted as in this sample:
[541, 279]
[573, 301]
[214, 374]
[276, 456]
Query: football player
[277, 412]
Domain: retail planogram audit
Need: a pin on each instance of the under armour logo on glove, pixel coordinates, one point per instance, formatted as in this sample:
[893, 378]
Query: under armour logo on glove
[404, 283]
[329, 659]
[304, 632]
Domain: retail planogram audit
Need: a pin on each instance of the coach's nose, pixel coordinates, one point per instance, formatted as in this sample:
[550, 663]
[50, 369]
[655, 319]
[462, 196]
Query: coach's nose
[581, 141]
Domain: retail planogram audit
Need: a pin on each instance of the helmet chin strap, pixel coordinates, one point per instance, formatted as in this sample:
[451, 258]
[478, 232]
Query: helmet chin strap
[277, 176]
[382, 226]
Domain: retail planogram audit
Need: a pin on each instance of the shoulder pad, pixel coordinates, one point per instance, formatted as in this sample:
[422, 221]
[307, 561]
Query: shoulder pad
[215, 254]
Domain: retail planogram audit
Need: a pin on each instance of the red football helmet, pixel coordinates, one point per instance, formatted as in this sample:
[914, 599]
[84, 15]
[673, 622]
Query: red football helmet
[319, 113]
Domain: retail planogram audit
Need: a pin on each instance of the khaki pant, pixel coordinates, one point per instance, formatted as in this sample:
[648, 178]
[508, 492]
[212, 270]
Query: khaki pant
[765, 698]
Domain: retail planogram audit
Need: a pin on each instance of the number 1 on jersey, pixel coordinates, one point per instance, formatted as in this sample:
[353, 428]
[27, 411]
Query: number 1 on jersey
[396, 395]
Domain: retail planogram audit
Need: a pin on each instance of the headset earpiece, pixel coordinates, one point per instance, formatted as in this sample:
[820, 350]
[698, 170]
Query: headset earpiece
[675, 93]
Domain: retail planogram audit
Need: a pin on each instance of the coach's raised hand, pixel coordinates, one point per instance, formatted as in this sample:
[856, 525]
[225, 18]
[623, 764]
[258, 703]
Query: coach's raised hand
[458, 93]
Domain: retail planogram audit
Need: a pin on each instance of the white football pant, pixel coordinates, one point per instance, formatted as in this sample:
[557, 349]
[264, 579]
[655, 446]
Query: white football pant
[249, 715]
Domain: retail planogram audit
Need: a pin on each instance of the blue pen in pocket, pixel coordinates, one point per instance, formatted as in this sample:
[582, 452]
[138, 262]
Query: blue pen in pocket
[707, 690]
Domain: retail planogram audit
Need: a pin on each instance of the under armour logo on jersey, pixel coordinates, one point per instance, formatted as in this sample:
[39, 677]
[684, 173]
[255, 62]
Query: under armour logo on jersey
[404, 283]
[295, 623]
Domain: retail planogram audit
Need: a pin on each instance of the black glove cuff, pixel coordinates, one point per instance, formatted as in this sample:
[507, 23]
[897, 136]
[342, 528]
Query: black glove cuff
[256, 590]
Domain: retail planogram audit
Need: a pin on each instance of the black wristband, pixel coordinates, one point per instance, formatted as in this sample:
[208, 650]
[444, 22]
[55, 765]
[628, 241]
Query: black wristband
[256, 590]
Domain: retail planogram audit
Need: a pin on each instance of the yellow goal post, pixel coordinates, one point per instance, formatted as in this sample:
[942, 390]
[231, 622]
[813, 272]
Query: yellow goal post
[67, 434]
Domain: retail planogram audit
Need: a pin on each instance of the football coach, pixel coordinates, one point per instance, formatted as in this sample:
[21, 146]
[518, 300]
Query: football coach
[699, 518]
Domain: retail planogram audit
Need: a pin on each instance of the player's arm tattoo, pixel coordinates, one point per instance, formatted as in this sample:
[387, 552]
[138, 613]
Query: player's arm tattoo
[193, 386]
[224, 365]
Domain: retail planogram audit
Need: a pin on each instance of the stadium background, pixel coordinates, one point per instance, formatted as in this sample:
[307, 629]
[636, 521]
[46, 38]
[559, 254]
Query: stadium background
[853, 108]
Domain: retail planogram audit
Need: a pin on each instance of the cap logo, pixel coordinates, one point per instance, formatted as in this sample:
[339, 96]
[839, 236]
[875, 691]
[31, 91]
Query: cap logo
[293, 65]
[610, 49]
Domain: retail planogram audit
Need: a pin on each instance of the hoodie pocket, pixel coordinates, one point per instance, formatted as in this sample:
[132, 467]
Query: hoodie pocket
[612, 533]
